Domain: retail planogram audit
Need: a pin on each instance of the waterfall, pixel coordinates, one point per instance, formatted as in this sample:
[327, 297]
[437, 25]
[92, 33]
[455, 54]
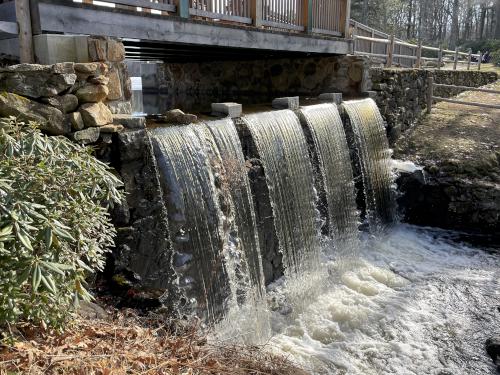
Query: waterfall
[196, 222]
[324, 125]
[249, 316]
[283, 151]
[373, 154]
[236, 178]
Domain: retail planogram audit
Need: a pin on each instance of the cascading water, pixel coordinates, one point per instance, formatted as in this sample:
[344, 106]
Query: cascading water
[248, 318]
[392, 311]
[236, 178]
[366, 127]
[325, 127]
[283, 151]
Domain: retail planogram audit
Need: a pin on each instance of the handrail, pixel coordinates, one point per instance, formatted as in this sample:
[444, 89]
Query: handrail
[325, 17]
[381, 45]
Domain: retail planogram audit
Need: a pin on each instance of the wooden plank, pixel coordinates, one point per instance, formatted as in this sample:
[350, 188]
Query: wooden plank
[8, 28]
[468, 88]
[26, 50]
[326, 32]
[390, 52]
[220, 16]
[183, 8]
[307, 16]
[430, 93]
[475, 104]
[282, 25]
[146, 4]
[76, 19]
[256, 12]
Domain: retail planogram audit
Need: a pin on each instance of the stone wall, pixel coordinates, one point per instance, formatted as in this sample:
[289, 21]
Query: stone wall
[85, 101]
[401, 93]
[193, 86]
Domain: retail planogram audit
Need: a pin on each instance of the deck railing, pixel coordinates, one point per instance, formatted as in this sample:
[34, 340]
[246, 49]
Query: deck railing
[326, 17]
[395, 52]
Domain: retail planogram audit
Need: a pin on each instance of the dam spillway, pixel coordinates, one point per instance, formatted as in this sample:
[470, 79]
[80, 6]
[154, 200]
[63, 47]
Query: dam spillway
[219, 255]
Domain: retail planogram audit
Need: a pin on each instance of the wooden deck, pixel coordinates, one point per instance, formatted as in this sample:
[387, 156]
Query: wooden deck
[156, 28]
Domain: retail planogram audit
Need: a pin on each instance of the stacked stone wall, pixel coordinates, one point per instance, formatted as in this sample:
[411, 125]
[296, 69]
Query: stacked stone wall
[401, 94]
[86, 102]
[193, 86]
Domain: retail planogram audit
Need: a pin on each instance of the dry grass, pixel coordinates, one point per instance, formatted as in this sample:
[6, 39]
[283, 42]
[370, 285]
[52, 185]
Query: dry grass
[127, 344]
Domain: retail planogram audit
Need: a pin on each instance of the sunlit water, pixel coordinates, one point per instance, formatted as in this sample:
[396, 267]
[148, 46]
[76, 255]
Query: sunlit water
[415, 302]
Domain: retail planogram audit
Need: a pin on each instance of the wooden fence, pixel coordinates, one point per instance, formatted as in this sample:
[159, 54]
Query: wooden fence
[395, 52]
[325, 17]
[431, 98]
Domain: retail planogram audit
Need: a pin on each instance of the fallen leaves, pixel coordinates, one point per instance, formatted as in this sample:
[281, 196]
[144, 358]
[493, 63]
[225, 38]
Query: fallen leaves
[128, 344]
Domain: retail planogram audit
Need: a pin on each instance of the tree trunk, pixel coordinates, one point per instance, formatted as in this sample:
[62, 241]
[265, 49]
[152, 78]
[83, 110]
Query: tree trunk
[455, 30]
[364, 12]
[410, 16]
[482, 19]
[497, 23]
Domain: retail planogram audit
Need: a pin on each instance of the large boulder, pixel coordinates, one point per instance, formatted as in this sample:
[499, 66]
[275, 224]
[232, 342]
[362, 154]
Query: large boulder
[35, 81]
[91, 93]
[51, 120]
[65, 103]
[96, 114]
[85, 136]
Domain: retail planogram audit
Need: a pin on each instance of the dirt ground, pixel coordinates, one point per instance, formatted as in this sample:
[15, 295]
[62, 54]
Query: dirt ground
[457, 139]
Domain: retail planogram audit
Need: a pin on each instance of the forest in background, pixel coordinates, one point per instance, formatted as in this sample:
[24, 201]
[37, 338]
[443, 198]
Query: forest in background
[466, 24]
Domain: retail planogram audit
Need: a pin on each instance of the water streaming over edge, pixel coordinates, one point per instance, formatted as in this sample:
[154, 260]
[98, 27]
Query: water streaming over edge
[374, 155]
[248, 318]
[327, 131]
[283, 151]
[196, 223]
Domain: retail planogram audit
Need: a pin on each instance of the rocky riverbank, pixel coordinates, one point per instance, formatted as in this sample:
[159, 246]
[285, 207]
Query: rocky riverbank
[459, 149]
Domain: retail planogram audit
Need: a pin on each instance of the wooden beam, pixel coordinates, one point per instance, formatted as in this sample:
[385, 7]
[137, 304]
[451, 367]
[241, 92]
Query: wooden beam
[23, 16]
[347, 15]
[256, 12]
[71, 18]
[183, 8]
[307, 15]
[390, 52]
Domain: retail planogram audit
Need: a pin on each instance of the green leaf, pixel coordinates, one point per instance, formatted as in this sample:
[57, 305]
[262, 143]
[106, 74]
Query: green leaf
[48, 237]
[37, 277]
[52, 267]
[48, 282]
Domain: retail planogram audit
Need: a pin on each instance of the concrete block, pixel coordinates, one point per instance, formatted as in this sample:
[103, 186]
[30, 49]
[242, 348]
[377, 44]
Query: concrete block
[56, 48]
[227, 109]
[130, 122]
[369, 94]
[331, 97]
[287, 102]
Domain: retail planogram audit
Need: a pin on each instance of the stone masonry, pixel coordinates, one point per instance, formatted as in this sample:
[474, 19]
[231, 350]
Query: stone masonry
[87, 102]
[401, 93]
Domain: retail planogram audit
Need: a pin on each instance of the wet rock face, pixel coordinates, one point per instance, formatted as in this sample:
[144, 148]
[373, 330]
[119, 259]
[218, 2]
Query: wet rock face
[492, 346]
[450, 203]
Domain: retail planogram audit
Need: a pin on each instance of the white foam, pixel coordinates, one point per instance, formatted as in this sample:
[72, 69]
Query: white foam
[414, 304]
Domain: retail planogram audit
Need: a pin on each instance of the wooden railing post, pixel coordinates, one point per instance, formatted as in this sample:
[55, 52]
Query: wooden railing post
[183, 8]
[371, 41]
[390, 52]
[469, 59]
[440, 57]
[455, 62]
[480, 60]
[419, 54]
[347, 15]
[256, 12]
[430, 93]
[307, 14]
[23, 17]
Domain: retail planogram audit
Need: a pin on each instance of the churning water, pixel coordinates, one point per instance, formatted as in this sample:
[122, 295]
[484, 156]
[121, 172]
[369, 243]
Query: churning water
[398, 300]
[416, 303]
